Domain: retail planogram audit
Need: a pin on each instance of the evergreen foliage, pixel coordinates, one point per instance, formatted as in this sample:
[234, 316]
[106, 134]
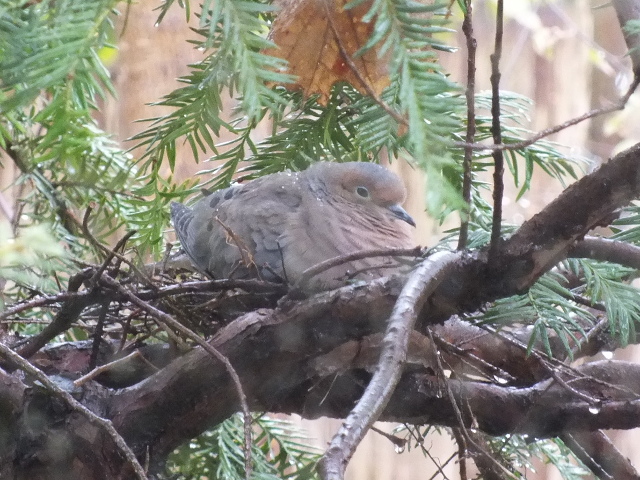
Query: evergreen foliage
[52, 79]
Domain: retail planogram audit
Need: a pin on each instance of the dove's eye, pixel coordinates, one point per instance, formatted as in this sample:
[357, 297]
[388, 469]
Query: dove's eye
[362, 191]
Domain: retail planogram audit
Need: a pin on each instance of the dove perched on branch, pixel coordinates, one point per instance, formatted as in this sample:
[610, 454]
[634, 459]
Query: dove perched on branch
[278, 226]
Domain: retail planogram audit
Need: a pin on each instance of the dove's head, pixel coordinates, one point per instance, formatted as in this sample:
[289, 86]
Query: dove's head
[365, 184]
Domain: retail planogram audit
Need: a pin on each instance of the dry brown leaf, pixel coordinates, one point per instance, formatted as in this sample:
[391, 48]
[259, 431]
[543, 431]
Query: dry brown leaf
[312, 36]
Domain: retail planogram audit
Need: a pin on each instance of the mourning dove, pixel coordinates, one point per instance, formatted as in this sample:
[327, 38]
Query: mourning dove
[279, 225]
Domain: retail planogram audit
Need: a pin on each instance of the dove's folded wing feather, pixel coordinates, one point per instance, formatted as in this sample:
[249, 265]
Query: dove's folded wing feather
[279, 225]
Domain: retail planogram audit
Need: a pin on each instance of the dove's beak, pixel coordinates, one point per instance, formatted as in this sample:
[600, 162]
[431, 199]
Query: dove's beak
[402, 214]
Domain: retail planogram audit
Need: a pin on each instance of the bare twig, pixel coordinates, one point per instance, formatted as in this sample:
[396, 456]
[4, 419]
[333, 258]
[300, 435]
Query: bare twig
[248, 285]
[68, 313]
[587, 398]
[421, 283]
[169, 321]
[109, 366]
[110, 254]
[498, 158]
[97, 334]
[342, 259]
[354, 68]
[597, 452]
[28, 368]
[470, 94]
[67, 218]
[462, 452]
[245, 253]
[439, 468]
[490, 467]
[397, 441]
[481, 365]
[38, 302]
[596, 112]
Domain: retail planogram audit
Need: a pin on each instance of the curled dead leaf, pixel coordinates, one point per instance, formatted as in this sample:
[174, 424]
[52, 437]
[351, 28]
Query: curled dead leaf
[319, 39]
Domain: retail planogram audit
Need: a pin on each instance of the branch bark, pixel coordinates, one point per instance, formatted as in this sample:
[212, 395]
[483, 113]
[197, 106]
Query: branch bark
[422, 282]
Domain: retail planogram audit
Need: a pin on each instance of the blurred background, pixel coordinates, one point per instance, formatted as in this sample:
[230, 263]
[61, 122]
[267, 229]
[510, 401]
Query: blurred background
[567, 56]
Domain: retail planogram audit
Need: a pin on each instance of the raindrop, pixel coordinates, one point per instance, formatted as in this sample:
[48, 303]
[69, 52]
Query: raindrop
[594, 410]
[399, 448]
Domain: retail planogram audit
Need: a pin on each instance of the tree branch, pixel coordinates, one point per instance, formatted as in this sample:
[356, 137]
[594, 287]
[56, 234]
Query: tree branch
[105, 424]
[470, 95]
[421, 283]
[496, 132]
[604, 249]
[597, 452]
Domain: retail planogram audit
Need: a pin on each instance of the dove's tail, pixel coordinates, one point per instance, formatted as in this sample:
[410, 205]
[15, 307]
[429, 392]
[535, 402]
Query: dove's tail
[181, 216]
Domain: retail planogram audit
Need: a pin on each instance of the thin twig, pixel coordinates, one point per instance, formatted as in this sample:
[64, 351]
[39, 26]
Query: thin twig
[470, 94]
[587, 398]
[498, 157]
[491, 466]
[619, 105]
[97, 335]
[342, 259]
[587, 302]
[354, 68]
[67, 218]
[475, 360]
[593, 334]
[397, 441]
[421, 283]
[110, 254]
[169, 321]
[440, 468]
[600, 455]
[39, 302]
[68, 313]
[113, 253]
[462, 452]
[248, 285]
[245, 254]
[30, 369]
[108, 366]
[547, 363]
